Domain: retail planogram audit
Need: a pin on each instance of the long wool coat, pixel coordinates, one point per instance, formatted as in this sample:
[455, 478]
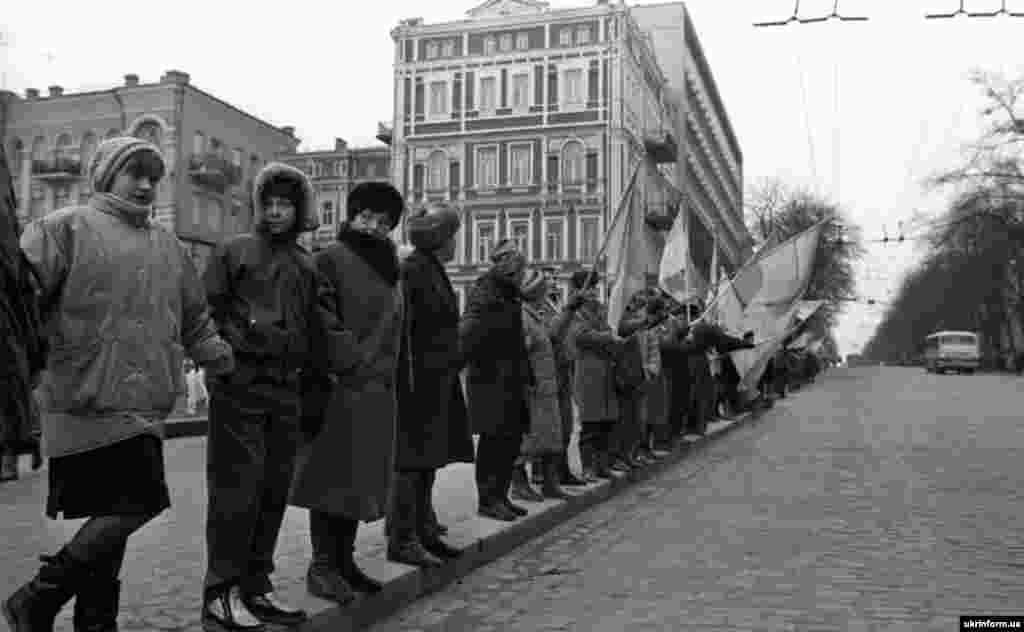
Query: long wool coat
[433, 423]
[346, 468]
[545, 416]
[594, 376]
[498, 370]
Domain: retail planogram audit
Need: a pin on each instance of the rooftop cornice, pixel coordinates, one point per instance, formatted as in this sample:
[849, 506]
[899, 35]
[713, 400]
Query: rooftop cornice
[456, 27]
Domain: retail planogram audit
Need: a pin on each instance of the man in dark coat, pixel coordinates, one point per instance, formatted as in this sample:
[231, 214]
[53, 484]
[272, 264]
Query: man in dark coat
[345, 467]
[433, 425]
[498, 374]
[263, 289]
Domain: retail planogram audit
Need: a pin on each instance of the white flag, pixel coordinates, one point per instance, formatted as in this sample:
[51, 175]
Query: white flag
[677, 274]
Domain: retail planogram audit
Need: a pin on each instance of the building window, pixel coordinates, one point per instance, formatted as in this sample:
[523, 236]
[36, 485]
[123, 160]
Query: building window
[214, 214]
[486, 234]
[60, 149]
[448, 48]
[88, 149]
[431, 50]
[572, 86]
[17, 158]
[216, 146]
[487, 167]
[589, 237]
[506, 42]
[521, 164]
[490, 45]
[519, 232]
[327, 213]
[488, 93]
[522, 41]
[197, 210]
[583, 35]
[572, 162]
[371, 170]
[437, 169]
[521, 91]
[565, 37]
[554, 238]
[236, 157]
[438, 98]
[198, 143]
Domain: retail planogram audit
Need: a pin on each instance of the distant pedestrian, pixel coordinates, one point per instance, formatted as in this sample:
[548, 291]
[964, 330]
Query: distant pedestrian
[346, 464]
[122, 308]
[263, 288]
[497, 378]
[433, 423]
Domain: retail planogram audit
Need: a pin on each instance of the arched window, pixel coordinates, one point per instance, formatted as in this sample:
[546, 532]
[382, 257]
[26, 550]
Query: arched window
[572, 162]
[88, 148]
[60, 149]
[38, 148]
[437, 166]
[15, 156]
[150, 130]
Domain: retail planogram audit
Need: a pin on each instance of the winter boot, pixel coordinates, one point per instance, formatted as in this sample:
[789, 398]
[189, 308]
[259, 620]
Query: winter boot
[354, 575]
[551, 488]
[324, 579]
[96, 605]
[34, 606]
[521, 489]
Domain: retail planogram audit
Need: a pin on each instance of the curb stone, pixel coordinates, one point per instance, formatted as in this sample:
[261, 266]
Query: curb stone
[407, 584]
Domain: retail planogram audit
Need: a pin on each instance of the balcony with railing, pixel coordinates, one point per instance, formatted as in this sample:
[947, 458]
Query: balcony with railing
[57, 170]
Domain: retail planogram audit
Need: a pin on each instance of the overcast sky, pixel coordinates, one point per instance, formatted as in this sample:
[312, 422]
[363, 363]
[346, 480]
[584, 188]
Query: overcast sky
[859, 112]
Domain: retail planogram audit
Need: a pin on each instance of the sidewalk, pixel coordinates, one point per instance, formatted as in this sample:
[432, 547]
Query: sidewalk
[163, 571]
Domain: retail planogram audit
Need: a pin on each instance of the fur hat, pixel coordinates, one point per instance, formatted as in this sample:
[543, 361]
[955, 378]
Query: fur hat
[430, 229]
[379, 197]
[111, 156]
[507, 258]
[279, 179]
[533, 283]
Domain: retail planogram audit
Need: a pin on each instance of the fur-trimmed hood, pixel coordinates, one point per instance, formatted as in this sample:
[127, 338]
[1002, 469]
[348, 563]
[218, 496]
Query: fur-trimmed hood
[305, 214]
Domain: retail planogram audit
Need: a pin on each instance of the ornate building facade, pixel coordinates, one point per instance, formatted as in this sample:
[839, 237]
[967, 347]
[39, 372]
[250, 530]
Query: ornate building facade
[212, 148]
[531, 120]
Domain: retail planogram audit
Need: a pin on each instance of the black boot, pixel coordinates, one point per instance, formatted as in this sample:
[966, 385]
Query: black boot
[34, 606]
[354, 575]
[551, 488]
[412, 553]
[323, 579]
[427, 530]
[520, 488]
[403, 544]
[96, 605]
[37, 457]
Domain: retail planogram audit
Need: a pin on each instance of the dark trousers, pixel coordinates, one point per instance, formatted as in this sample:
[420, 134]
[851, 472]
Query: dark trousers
[496, 456]
[253, 437]
[333, 539]
[631, 431]
[101, 542]
[411, 512]
[596, 441]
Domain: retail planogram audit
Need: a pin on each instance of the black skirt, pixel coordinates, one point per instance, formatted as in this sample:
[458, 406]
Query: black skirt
[124, 478]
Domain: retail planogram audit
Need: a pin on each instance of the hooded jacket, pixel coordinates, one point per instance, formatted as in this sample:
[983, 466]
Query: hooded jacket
[263, 288]
[124, 304]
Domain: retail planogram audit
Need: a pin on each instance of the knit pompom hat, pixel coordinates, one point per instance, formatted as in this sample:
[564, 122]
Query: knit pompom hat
[111, 156]
[534, 283]
[431, 229]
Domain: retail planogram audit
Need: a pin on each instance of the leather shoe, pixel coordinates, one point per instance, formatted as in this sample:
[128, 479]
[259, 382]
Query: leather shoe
[225, 612]
[440, 549]
[327, 583]
[412, 554]
[269, 608]
[497, 511]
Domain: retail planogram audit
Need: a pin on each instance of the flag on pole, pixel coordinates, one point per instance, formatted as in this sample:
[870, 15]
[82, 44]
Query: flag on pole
[714, 275]
[631, 251]
[677, 274]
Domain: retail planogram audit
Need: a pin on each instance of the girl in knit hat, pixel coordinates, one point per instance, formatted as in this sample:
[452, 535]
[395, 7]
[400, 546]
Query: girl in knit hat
[121, 310]
[433, 425]
[498, 374]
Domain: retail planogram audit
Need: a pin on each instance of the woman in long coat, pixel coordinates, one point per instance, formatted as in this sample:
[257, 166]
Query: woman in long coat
[498, 374]
[343, 471]
[433, 425]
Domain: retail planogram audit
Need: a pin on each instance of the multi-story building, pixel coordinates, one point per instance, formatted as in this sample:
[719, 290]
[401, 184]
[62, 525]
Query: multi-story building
[531, 119]
[212, 148]
[334, 172]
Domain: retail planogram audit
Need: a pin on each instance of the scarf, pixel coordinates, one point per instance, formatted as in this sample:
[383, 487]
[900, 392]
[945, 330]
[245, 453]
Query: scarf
[135, 214]
[380, 253]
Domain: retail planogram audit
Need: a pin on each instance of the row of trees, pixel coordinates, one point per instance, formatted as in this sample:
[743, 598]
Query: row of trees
[776, 212]
[972, 275]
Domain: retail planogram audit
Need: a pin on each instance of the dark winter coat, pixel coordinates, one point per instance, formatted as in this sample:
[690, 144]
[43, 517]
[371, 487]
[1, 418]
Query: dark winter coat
[597, 349]
[263, 289]
[498, 369]
[545, 415]
[433, 423]
[345, 469]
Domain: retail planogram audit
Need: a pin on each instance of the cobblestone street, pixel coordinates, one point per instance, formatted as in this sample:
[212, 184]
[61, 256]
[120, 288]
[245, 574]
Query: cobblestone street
[876, 499]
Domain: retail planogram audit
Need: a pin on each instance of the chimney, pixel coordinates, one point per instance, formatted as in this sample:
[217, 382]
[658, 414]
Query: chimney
[175, 76]
[340, 144]
[131, 80]
[32, 93]
[56, 91]
[288, 129]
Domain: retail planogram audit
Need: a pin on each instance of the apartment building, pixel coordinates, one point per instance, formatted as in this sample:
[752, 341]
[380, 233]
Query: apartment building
[213, 149]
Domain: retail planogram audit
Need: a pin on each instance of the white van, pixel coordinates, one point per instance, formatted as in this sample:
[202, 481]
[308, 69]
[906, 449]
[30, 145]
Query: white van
[951, 351]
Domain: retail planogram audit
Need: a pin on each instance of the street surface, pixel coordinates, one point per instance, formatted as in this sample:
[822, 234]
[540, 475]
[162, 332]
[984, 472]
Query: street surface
[876, 499]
